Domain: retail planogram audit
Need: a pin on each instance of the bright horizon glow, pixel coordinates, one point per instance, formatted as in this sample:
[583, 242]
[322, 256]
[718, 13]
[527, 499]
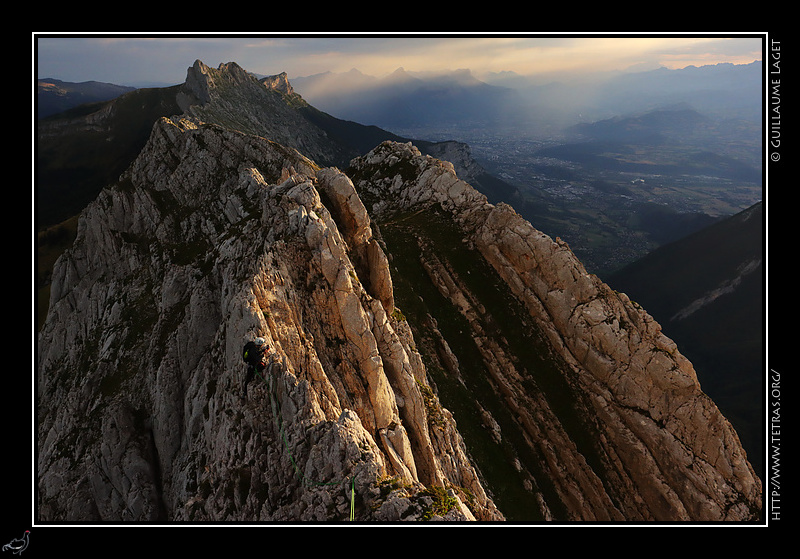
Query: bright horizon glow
[128, 60]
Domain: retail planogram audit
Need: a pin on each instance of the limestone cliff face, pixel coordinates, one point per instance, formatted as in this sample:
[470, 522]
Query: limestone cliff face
[650, 444]
[211, 238]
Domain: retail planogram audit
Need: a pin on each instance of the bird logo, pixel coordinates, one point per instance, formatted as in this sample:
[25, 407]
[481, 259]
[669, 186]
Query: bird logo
[18, 545]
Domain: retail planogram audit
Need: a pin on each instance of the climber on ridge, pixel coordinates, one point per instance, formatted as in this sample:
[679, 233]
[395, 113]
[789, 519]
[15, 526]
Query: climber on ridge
[254, 354]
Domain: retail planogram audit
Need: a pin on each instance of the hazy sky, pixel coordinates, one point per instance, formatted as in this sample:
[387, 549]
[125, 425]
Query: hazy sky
[163, 59]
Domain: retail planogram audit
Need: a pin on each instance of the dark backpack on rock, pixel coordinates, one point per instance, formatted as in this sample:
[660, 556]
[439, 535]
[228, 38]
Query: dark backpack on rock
[253, 355]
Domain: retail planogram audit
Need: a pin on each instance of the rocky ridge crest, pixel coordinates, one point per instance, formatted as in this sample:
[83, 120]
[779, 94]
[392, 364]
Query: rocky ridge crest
[211, 238]
[663, 449]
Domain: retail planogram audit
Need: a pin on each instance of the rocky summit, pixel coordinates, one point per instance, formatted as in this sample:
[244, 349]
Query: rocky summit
[382, 290]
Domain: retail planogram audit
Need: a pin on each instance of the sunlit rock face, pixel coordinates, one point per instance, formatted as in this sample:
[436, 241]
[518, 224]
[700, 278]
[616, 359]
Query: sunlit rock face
[651, 445]
[212, 238]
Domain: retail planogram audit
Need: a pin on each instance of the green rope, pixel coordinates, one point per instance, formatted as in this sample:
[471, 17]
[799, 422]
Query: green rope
[353, 499]
[304, 480]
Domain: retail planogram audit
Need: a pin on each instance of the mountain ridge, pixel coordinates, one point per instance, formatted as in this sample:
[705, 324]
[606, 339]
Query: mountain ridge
[201, 284]
[328, 139]
[404, 100]
[213, 235]
[546, 278]
[541, 100]
[54, 96]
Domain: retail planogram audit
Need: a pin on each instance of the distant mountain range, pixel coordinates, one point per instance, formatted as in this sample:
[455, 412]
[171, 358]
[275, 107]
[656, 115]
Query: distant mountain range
[405, 100]
[55, 96]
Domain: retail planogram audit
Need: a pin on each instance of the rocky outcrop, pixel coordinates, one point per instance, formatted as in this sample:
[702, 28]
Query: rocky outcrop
[660, 449]
[211, 238]
[278, 82]
[356, 226]
[233, 98]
